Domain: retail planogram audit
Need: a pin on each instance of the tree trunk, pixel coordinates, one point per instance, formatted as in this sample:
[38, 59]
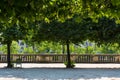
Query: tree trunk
[63, 49]
[9, 65]
[33, 47]
[68, 55]
[87, 50]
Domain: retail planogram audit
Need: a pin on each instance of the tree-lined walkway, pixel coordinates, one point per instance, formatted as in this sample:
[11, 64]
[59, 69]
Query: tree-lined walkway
[61, 21]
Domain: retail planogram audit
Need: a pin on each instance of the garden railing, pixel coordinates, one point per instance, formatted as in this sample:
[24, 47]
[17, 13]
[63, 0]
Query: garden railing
[60, 58]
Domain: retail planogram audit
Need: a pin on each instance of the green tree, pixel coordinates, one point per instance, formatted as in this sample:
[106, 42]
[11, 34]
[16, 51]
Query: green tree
[31, 10]
[101, 8]
[66, 32]
[9, 34]
[105, 31]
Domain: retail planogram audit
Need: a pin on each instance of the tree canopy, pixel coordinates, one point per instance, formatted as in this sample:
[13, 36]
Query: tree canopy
[14, 11]
[70, 30]
[17, 11]
[105, 31]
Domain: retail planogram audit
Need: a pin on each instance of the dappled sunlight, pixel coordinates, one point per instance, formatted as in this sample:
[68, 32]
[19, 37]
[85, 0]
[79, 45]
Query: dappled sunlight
[99, 65]
[3, 78]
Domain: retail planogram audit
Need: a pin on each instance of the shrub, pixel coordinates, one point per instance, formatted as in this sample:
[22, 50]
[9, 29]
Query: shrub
[72, 64]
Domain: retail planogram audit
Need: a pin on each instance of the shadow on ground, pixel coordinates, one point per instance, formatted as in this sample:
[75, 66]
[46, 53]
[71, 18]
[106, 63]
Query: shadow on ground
[59, 74]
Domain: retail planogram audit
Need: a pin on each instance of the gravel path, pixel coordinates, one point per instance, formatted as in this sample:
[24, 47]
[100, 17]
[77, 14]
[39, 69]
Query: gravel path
[42, 72]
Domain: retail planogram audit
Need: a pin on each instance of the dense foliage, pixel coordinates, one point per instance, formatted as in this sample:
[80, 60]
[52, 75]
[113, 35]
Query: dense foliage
[105, 31]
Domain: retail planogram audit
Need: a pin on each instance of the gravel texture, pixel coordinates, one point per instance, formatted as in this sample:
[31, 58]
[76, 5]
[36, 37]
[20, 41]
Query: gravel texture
[59, 72]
